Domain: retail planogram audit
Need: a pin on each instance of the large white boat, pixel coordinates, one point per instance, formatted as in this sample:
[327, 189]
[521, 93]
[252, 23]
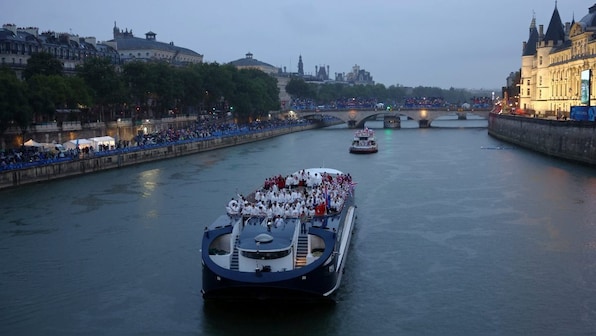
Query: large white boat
[364, 142]
[287, 240]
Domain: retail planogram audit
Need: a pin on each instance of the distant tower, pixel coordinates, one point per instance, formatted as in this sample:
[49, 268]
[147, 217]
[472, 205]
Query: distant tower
[321, 73]
[150, 36]
[300, 66]
[118, 34]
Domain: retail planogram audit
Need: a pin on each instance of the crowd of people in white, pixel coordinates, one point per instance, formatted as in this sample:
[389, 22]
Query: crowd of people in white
[298, 195]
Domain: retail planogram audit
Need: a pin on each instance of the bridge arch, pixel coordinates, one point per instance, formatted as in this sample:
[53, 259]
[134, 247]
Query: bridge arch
[357, 117]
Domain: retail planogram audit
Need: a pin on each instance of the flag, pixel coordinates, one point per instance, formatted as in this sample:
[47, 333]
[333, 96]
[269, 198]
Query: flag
[327, 198]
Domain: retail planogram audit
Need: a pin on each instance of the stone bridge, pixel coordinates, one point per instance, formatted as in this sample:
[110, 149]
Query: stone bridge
[357, 117]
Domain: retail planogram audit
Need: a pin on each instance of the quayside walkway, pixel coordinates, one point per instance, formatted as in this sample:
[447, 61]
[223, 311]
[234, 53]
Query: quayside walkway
[17, 169]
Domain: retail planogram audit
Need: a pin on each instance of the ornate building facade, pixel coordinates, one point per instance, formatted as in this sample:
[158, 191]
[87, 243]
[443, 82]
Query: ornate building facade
[17, 45]
[131, 48]
[552, 63]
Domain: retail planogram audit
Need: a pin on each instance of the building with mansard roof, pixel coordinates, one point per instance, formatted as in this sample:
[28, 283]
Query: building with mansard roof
[249, 62]
[17, 45]
[148, 49]
[552, 63]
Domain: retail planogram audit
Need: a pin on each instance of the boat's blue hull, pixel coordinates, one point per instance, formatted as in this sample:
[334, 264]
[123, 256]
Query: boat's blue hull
[314, 286]
[319, 279]
[315, 281]
[363, 150]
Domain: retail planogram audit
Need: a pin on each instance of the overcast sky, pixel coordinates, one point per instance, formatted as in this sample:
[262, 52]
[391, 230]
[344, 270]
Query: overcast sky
[471, 44]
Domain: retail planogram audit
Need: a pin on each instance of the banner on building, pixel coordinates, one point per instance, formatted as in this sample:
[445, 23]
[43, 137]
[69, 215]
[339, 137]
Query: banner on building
[585, 86]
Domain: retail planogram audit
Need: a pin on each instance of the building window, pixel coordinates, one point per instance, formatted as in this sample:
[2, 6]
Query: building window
[540, 60]
[540, 80]
[528, 82]
[528, 92]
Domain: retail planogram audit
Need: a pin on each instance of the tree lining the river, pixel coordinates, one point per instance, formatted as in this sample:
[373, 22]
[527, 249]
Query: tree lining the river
[323, 93]
[100, 91]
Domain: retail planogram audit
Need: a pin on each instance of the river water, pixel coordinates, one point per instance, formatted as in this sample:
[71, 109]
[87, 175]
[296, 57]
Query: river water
[457, 234]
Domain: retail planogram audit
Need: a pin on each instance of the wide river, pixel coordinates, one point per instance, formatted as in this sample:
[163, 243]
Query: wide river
[457, 234]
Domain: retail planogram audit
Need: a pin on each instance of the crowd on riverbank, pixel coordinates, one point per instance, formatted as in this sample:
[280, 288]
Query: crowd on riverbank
[25, 157]
[373, 103]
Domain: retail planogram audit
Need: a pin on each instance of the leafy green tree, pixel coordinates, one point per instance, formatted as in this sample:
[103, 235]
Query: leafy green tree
[79, 98]
[14, 107]
[135, 75]
[255, 95]
[394, 94]
[297, 87]
[42, 63]
[106, 88]
[46, 94]
[218, 83]
[163, 88]
[190, 91]
[241, 99]
[79, 93]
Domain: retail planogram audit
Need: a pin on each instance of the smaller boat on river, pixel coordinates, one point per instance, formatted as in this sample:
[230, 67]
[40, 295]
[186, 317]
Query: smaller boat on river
[364, 142]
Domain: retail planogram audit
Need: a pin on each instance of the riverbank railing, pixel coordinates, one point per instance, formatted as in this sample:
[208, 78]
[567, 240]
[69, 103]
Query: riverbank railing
[18, 160]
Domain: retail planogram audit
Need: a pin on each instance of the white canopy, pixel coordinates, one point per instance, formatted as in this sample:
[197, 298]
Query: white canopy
[82, 143]
[32, 143]
[102, 140]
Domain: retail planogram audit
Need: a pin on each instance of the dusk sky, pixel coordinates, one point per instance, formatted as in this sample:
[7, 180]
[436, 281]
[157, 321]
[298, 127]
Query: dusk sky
[472, 44]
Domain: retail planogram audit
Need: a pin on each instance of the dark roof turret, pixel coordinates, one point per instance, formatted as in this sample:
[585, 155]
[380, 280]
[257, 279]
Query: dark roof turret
[556, 29]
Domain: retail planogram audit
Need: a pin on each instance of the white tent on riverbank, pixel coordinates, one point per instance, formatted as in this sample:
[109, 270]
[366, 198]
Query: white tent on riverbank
[32, 143]
[103, 141]
[82, 143]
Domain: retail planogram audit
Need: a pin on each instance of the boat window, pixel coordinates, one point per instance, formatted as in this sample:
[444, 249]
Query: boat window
[262, 255]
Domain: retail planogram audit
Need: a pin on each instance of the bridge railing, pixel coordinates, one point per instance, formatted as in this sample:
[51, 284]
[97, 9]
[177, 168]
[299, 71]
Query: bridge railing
[401, 108]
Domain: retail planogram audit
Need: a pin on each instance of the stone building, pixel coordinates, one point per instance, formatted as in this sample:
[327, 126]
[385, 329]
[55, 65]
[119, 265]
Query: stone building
[131, 48]
[249, 62]
[17, 45]
[359, 76]
[552, 63]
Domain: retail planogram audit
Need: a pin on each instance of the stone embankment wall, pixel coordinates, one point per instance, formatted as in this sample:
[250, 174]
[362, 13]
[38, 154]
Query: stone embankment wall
[15, 178]
[565, 139]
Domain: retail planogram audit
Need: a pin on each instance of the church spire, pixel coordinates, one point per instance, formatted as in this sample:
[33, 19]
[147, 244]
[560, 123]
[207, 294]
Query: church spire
[555, 31]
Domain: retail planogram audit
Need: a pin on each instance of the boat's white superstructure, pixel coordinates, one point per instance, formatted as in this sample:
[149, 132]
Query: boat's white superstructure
[364, 142]
[288, 239]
